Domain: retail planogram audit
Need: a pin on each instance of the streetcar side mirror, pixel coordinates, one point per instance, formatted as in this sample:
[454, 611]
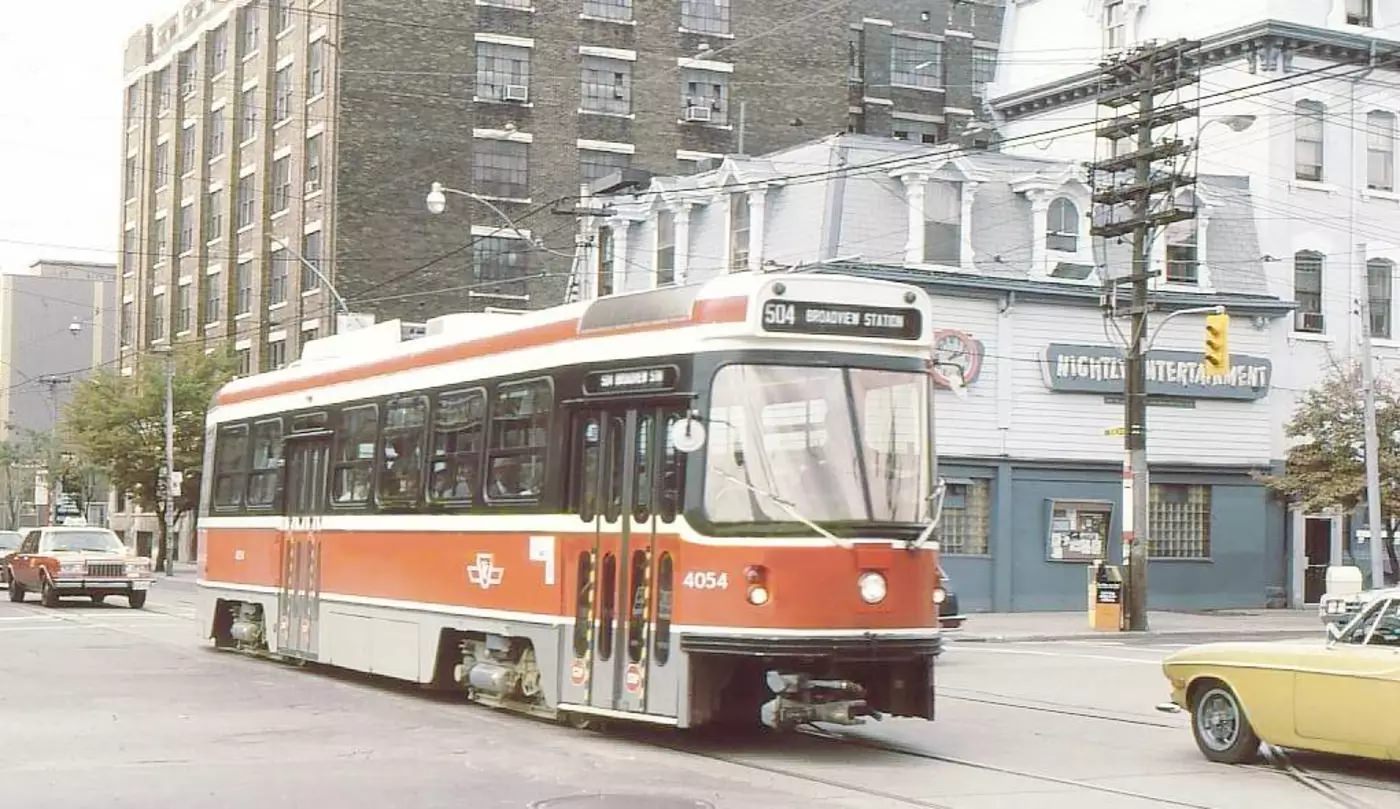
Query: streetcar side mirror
[688, 434]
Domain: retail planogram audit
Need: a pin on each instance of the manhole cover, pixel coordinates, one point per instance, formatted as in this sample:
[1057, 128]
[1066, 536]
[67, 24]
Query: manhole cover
[621, 802]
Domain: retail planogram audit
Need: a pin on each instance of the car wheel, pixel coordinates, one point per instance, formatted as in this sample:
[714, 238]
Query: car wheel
[98, 599]
[1222, 731]
[48, 593]
[137, 599]
[16, 590]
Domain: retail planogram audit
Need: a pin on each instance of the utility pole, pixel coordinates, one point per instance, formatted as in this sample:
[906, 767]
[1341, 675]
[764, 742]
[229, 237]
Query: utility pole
[169, 462]
[1371, 439]
[1136, 80]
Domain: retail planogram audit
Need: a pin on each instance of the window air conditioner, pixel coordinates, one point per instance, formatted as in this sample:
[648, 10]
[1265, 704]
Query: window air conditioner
[312, 186]
[516, 92]
[697, 113]
[1309, 321]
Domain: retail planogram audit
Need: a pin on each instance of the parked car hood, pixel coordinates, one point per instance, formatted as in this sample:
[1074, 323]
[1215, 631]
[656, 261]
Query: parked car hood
[1242, 652]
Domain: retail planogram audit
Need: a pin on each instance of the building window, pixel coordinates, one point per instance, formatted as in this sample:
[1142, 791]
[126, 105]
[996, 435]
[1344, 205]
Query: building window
[158, 317]
[163, 90]
[218, 50]
[1359, 12]
[1380, 151]
[247, 200]
[282, 95]
[133, 103]
[967, 518]
[1115, 25]
[705, 97]
[502, 72]
[214, 297]
[916, 62]
[189, 149]
[162, 167]
[1379, 273]
[1062, 229]
[918, 131]
[184, 243]
[218, 130]
[519, 437]
[185, 70]
[313, 162]
[738, 232]
[162, 239]
[604, 274]
[130, 257]
[1179, 522]
[607, 85]
[277, 278]
[608, 9]
[1307, 291]
[311, 251]
[276, 354]
[129, 181]
[281, 15]
[1182, 267]
[855, 53]
[249, 31]
[316, 69]
[984, 69]
[281, 184]
[182, 309]
[500, 168]
[520, 4]
[243, 290]
[665, 248]
[595, 165]
[705, 16]
[500, 259]
[214, 215]
[1307, 134]
[943, 224]
[127, 315]
[245, 361]
[248, 122]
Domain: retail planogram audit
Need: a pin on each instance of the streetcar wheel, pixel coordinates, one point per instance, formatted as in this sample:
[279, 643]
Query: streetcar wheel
[581, 721]
[1221, 729]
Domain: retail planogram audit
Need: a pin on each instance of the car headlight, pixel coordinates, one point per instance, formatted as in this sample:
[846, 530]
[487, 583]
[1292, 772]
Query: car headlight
[136, 568]
[872, 587]
[939, 595]
[70, 568]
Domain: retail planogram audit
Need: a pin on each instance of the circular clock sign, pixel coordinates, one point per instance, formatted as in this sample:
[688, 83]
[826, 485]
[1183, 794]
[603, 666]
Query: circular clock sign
[956, 349]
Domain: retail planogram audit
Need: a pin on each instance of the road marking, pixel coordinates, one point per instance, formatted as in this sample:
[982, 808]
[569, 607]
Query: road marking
[1037, 653]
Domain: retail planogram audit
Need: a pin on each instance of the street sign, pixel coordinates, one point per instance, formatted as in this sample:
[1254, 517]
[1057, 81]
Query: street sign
[176, 478]
[1116, 431]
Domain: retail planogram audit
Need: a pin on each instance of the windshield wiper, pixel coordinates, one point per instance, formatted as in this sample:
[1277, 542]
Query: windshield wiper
[785, 506]
[936, 497]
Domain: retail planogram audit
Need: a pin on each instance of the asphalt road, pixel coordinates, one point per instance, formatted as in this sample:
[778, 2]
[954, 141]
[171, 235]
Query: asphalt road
[113, 707]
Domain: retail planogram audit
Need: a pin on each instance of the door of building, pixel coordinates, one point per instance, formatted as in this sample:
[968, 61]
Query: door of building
[1317, 555]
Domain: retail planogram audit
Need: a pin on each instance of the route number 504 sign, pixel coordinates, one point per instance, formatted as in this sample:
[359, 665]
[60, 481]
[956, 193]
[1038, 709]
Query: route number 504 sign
[706, 580]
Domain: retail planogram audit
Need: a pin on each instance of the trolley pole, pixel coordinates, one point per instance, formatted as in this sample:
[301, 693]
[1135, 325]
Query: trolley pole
[1149, 194]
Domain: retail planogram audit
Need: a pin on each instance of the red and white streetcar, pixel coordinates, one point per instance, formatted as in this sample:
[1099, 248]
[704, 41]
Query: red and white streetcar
[708, 503]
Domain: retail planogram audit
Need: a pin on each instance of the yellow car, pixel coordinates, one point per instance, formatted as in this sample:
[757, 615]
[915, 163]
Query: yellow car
[1339, 695]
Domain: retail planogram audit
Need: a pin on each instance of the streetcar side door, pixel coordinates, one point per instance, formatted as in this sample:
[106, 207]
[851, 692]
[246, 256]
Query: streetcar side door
[299, 582]
[622, 584]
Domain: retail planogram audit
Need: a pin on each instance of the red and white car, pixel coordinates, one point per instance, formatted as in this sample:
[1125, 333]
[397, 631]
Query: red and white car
[58, 561]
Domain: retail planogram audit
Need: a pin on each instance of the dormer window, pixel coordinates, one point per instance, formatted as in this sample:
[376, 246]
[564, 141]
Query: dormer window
[1359, 12]
[1115, 16]
[1062, 227]
[1182, 265]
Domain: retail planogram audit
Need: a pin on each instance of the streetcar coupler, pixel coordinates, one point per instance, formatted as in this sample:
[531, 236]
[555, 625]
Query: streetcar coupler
[800, 700]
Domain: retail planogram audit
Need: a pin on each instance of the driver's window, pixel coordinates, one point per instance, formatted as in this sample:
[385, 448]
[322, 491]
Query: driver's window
[1386, 630]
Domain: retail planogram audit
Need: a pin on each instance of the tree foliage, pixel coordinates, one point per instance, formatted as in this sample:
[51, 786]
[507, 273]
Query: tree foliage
[117, 423]
[1326, 468]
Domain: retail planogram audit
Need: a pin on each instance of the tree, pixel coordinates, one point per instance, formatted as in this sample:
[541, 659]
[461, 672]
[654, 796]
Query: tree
[1327, 467]
[117, 423]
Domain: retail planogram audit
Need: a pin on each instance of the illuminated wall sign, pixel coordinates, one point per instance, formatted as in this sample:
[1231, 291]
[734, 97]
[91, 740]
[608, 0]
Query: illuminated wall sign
[842, 320]
[632, 380]
[1100, 369]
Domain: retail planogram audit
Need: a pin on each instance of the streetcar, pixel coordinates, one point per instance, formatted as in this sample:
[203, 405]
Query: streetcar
[704, 504]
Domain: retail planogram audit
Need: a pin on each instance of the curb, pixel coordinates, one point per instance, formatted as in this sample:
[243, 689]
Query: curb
[1170, 633]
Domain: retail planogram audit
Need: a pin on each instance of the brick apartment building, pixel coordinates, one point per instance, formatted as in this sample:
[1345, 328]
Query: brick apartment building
[264, 136]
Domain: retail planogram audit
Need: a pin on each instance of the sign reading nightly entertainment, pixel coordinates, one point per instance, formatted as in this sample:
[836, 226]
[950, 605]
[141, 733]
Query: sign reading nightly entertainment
[842, 320]
[601, 383]
[1180, 374]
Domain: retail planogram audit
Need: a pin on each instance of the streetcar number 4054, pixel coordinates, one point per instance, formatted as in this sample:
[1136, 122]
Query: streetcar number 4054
[706, 580]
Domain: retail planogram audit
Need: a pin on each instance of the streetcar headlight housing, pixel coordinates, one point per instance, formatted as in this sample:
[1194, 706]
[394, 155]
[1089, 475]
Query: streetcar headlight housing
[873, 587]
[939, 595]
[758, 595]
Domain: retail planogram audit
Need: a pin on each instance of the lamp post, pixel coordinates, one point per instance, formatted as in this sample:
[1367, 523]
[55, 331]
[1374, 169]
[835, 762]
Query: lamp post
[168, 544]
[320, 276]
[437, 203]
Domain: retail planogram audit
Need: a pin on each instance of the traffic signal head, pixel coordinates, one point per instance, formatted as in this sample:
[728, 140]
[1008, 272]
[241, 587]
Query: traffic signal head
[1217, 358]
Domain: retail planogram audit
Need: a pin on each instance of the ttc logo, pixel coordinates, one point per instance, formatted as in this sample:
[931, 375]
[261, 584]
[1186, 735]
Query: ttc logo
[484, 573]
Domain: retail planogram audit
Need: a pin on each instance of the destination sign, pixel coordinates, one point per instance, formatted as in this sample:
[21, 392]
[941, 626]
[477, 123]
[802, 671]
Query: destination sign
[845, 320]
[602, 383]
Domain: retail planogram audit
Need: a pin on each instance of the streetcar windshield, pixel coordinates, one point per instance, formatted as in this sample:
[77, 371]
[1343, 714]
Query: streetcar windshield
[830, 444]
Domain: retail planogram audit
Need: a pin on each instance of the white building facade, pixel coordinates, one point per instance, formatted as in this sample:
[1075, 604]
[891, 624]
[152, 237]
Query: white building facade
[1307, 93]
[1002, 243]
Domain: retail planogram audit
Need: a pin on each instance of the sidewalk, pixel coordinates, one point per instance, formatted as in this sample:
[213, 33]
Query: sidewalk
[1009, 627]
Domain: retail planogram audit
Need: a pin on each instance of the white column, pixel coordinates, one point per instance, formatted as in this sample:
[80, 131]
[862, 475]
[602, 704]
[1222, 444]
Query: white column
[758, 202]
[682, 242]
[965, 251]
[914, 193]
[619, 254]
[1040, 224]
[1202, 252]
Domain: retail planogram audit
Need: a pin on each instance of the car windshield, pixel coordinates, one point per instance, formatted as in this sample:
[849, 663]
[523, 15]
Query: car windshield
[831, 444]
[83, 541]
[9, 540]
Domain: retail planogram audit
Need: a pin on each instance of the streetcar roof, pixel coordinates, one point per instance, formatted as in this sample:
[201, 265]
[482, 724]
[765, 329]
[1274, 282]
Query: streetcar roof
[724, 306]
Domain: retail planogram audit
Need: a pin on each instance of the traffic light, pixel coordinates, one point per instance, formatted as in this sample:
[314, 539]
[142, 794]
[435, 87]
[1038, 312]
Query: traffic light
[1217, 359]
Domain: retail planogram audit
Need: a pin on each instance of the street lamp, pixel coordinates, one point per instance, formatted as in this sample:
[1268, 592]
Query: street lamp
[169, 354]
[278, 244]
[437, 203]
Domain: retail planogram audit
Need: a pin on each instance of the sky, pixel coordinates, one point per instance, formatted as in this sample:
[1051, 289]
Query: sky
[60, 126]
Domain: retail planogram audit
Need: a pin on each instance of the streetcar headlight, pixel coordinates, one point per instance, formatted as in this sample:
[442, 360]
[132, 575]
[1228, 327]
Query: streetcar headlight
[758, 595]
[872, 587]
[939, 595]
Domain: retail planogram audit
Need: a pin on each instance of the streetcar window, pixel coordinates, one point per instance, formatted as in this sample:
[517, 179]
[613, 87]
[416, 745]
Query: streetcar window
[230, 466]
[354, 454]
[671, 480]
[612, 497]
[265, 481]
[583, 610]
[585, 471]
[642, 468]
[608, 609]
[458, 426]
[637, 620]
[661, 644]
[401, 467]
[519, 440]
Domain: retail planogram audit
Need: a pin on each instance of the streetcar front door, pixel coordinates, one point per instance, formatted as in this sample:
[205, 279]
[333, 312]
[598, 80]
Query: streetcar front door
[624, 487]
[299, 583]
